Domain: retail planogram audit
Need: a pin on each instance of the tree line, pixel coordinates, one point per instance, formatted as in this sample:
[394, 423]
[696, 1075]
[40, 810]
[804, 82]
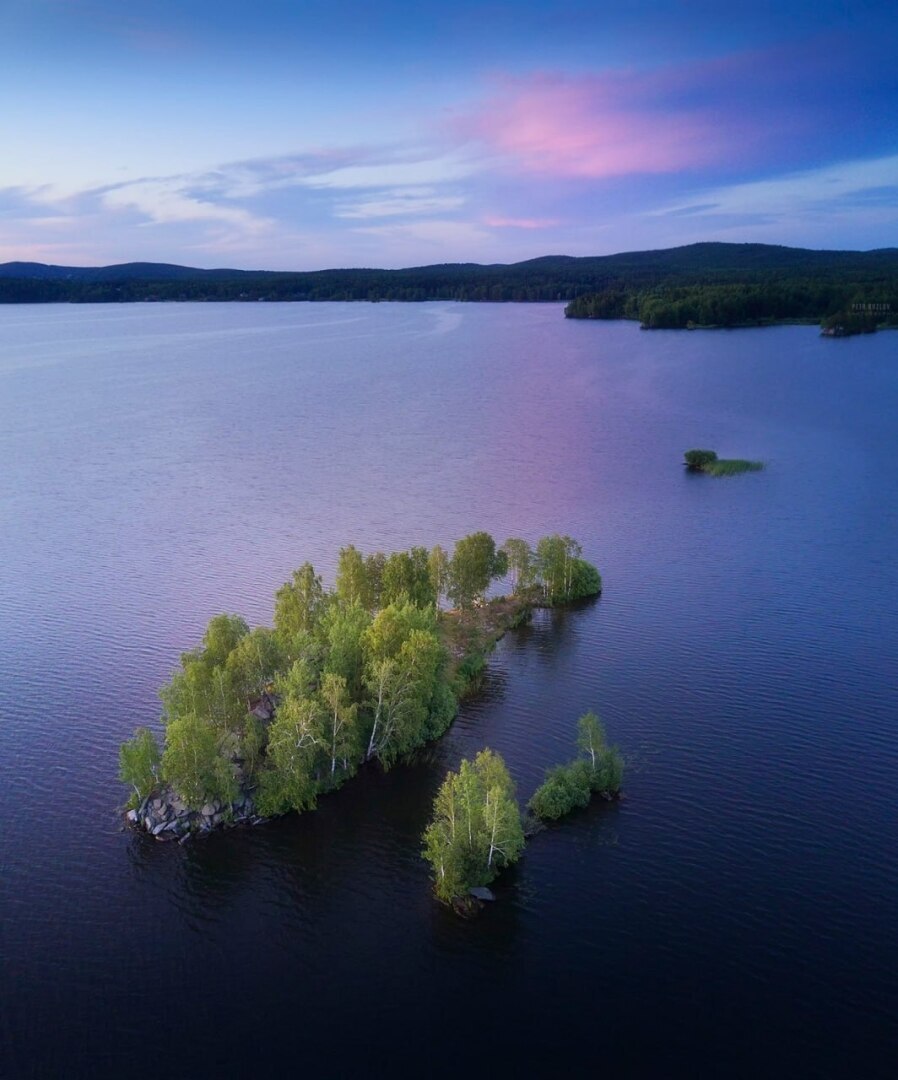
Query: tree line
[613, 279]
[347, 675]
[854, 305]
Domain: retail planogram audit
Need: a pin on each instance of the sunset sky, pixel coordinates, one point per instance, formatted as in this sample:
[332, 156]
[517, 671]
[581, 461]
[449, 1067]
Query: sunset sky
[303, 135]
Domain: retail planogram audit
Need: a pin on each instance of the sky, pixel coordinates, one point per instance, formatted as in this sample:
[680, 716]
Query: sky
[299, 135]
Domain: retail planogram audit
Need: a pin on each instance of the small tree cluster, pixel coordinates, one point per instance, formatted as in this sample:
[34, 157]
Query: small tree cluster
[476, 828]
[570, 786]
[555, 569]
[698, 459]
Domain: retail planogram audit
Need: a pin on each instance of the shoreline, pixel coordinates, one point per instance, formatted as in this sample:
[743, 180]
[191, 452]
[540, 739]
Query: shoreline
[469, 637]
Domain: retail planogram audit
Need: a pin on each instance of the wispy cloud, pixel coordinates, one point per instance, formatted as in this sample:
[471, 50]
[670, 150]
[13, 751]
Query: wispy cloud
[808, 190]
[498, 222]
[400, 202]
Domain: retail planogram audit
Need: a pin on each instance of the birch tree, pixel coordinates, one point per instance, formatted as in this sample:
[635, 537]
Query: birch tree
[476, 828]
[140, 764]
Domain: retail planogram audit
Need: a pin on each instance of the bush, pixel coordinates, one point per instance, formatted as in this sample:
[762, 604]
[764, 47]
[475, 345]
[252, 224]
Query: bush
[565, 788]
[698, 459]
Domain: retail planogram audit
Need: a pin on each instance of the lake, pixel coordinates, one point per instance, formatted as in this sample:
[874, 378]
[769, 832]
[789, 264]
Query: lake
[733, 915]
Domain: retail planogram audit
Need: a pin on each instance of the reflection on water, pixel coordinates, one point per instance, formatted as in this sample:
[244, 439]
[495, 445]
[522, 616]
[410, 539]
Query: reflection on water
[164, 463]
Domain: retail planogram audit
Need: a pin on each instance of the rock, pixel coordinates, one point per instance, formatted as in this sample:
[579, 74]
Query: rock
[161, 827]
[131, 817]
[208, 810]
[481, 892]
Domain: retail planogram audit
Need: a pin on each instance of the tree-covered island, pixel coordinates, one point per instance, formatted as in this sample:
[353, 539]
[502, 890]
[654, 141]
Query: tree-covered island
[707, 461]
[261, 722]
[477, 828]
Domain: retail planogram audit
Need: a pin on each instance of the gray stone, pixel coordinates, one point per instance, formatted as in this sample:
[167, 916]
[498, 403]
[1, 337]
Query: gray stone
[159, 828]
[131, 817]
[208, 810]
[481, 892]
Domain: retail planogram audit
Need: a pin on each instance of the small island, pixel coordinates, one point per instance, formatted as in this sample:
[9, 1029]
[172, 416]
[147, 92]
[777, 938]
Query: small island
[707, 461]
[477, 827]
[258, 723]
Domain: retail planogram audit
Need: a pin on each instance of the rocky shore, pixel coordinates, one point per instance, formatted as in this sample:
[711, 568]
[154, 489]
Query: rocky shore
[165, 816]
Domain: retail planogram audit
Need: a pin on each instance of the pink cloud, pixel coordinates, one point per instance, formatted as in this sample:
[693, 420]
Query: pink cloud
[520, 223]
[622, 122]
[592, 127]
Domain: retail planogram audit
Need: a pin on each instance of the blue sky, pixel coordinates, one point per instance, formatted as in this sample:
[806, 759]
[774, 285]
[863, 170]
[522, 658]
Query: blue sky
[302, 135]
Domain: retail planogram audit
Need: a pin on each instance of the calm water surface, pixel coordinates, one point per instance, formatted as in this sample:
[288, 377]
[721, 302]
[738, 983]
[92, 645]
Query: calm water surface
[735, 915]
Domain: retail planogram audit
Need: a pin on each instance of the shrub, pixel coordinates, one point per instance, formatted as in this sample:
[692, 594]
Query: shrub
[698, 459]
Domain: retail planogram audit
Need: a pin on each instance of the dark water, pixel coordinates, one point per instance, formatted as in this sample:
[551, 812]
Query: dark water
[735, 915]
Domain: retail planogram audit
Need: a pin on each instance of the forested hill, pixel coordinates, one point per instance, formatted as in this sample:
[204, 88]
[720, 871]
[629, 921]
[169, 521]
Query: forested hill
[608, 286]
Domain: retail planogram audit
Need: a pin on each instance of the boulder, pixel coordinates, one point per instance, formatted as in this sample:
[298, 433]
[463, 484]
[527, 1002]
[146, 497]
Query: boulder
[208, 810]
[481, 892]
[131, 817]
[161, 827]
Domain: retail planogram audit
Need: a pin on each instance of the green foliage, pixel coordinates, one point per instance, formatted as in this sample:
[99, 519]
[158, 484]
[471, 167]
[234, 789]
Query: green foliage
[344, 628]
[860, 321]
[568, 787]
[251, 747]
[405, 691]
[340, 715]
[406, 576]
[194, 765]
[705, 283]
[473, 566]
[297, 755]
[708, 462]
[521, 564]
[732, 467]
[565, 788]
[563, 573]
[847, 295]
[253, 663]
[583, 580]
[292, 712]
[139, 764]
[438, 568]
[697, 459]
[222, 635]
[392, 625]
[298, 606]
[354, 583]
[476, 828]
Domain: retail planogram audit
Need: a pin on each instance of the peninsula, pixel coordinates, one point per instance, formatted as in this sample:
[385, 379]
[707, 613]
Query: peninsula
[261, 722]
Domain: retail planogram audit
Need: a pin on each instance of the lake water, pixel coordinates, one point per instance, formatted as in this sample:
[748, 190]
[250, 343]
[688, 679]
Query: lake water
[734, 915]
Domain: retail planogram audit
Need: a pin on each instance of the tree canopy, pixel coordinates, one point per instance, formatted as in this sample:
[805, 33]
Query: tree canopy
[354, 674]
[476, 828]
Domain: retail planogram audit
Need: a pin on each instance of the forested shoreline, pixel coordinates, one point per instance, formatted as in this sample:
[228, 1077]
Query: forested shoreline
[261, 722]
[840, 307]
[705, 284]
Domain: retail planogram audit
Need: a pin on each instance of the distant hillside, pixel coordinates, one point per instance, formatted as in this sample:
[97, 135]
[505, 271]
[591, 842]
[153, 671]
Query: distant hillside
[605, 286]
